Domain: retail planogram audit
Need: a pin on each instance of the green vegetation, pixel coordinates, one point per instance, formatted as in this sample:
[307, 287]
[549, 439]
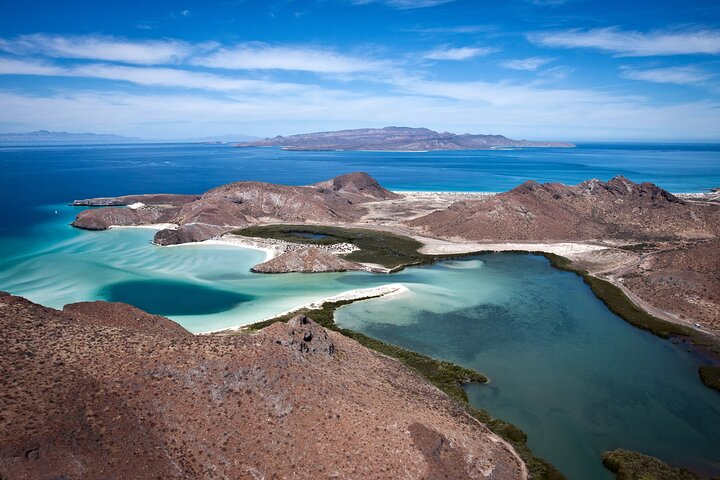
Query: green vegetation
[639, 247]
[619, 303]
[710, 376]
[387, 249]
[627, 465]
[446, 376]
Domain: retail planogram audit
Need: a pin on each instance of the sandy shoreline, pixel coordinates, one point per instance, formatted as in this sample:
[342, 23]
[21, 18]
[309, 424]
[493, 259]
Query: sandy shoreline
[374, 292]
[434, 246]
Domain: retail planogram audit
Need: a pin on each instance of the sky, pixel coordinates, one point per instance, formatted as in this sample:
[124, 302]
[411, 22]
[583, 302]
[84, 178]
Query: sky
[536, 69]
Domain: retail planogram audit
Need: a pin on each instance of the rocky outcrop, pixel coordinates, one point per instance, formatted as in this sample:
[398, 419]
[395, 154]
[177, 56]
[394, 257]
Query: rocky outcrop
[87, 398]
[302, 335]
[104, 218]
[150, 199]
[395, 138]
[306, 260]
[358, 187]
[618, 209]
[190, 233]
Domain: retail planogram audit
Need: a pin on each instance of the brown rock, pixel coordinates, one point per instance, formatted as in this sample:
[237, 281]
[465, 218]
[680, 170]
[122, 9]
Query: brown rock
[307, 260]
[104, 218]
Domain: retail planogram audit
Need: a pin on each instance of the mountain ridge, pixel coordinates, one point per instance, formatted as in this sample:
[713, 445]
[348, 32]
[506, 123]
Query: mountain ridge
[398, 139]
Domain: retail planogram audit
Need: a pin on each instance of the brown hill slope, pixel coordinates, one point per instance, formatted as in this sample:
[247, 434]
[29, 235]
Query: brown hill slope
[239, 204]
[617, 209]
[84, 400]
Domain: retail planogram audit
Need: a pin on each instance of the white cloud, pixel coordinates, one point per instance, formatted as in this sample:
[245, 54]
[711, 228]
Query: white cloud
[634, 43]
[148, 76]
[459, 53]
[404, 4]
[530, 64]
[258, 56]
[111, 49]
[686, 75]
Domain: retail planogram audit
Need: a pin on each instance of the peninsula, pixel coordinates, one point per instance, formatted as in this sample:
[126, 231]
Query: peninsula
[660, 249]
[404, 139]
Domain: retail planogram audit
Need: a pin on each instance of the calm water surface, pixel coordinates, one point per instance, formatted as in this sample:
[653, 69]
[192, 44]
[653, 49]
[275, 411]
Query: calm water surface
[575, 377]
[578, 379]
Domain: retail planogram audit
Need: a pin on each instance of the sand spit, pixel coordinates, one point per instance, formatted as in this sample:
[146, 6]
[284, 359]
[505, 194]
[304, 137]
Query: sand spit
[435, 246]
[374, 292]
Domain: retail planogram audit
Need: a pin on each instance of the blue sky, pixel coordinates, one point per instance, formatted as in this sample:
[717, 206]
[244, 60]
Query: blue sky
[536, 69]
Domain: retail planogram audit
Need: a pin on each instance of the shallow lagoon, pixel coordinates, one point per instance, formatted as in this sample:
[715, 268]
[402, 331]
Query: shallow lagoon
[578, 379]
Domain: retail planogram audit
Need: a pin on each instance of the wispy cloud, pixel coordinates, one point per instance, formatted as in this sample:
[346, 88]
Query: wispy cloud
[635, 43]
[453, 29]
[105, 48]
[404, 4]
[458, 53]
[147, 76]
[258, 56]
[682, 75]
[530, 64]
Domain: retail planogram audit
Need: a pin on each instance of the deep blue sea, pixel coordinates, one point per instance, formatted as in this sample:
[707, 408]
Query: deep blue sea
[578, 379]
[41, 175]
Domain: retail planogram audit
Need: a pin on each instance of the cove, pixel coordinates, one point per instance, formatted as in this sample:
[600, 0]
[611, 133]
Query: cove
[575, 377]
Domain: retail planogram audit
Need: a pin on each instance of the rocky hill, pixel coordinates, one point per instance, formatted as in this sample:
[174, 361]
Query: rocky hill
[306, 260]
[617, 209]
[106, 391]
[236, 205]
[395, 138]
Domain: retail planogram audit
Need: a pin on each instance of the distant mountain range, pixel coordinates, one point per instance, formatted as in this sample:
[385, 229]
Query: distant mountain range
[395, 138]
[67, 137]
[45, 136]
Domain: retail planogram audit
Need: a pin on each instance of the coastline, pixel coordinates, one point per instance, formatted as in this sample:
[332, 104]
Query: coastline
[570, 252]
[348, 296]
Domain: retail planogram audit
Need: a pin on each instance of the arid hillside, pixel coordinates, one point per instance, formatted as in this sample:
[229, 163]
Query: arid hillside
[107, 391]
[236, 205]
[593, 210]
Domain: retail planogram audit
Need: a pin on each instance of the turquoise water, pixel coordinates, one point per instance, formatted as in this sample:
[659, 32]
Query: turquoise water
[576, 378]
[202, 287]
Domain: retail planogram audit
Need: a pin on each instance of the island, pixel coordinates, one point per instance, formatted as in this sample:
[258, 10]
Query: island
[399, 139]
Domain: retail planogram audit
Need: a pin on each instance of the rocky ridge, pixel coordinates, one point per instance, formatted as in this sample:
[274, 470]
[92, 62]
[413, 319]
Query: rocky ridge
[615, 210]
[239, 204]
[104, 391]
